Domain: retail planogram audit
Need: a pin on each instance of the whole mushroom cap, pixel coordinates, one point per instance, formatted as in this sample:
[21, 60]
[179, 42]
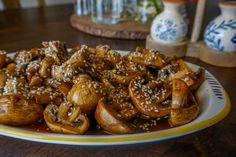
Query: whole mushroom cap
[86, 95]
[17, 110]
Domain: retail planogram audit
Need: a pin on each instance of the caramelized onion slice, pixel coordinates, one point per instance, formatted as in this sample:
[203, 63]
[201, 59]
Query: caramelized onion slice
[150, 99]
[110, 120]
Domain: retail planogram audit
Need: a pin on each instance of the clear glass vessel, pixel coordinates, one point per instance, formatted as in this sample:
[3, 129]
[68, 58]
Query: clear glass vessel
[147, 10]
[82, 7]
[107, 11]
[130, 9]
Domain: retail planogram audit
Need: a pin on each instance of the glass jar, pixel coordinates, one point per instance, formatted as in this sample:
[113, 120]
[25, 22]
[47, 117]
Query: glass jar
[82, 7]
[107, 11]
[130, 9]
[147, 10]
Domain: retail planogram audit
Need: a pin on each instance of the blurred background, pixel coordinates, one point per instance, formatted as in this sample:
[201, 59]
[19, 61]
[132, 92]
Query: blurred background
[212, 9]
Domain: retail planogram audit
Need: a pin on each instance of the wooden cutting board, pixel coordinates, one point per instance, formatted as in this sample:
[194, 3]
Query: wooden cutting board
[124, 30]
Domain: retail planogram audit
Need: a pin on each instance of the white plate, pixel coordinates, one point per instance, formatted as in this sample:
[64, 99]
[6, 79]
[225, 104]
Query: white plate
[211, 96]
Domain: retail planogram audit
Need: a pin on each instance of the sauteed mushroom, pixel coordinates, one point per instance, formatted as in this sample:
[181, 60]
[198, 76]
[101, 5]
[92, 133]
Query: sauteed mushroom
[109, 119]
[199, 78]
[57, 50]
[180, 70]
[122, 101]
[148, 57]
[105, 52]
[70, 68]
[81, 78]
[86, 95]
[150, 98]
[67, 119]
[184, 106]
[11, 68]
[45, 67]
[124, 91]
[126, 71]
[23, 58]
[16, 85]
[3, 59]
[3, 79]
[17, 110]
[46, 95]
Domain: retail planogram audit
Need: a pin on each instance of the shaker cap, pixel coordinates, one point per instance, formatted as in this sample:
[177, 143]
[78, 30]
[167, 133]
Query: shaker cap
[175, 1]
[227, 4]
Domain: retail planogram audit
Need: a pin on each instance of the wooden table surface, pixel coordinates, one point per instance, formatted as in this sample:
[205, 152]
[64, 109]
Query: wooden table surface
[22, 29]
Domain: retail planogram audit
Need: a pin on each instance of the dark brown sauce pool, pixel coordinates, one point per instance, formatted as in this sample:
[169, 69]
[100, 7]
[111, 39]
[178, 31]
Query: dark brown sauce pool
[140, 125]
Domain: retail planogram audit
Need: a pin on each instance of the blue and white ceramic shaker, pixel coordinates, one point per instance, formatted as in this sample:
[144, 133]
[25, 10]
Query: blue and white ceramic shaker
[170, 27]
[220, 33]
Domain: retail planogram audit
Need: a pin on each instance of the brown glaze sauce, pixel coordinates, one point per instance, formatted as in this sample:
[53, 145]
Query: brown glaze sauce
[138, 124]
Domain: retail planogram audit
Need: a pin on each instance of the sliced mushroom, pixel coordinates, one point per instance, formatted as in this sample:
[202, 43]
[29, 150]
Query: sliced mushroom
[35, 80]
[106, 53]
[126, 71]
[3, 59]
[183, 72]
[22, 59]
[86, 95]
[180, 92]
[125, 78]
[70, 68]
[110, 120]
[3, 79]
[81, 78]
[16, 110]
[184, 106]
[32, 69]
[67, 119]
[148, 57]
[11, 68]
[122, 101]
[16, 85]
[150, 99]
[57, 50]
[180, 70]
[45, 67]
[199, 78]
[46, 95]
[64, 88]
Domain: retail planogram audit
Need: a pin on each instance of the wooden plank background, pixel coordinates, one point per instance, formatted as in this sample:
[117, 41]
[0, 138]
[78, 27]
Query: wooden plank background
[30, 3]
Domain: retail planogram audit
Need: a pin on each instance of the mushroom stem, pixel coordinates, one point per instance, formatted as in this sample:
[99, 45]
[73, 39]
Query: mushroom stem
[74, 114]
[179, 93]
[63, 111]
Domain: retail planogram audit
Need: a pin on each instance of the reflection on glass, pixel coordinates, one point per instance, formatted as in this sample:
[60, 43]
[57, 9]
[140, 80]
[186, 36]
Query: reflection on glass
[107, 11]
[147, 10]
[130, 9]
[82, 7]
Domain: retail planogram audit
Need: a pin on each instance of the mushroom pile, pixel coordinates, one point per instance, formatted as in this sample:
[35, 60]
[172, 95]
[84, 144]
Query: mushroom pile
[67, 88]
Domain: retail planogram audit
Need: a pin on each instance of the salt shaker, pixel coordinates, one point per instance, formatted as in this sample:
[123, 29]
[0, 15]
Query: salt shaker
[220, 33]
[170, 27]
